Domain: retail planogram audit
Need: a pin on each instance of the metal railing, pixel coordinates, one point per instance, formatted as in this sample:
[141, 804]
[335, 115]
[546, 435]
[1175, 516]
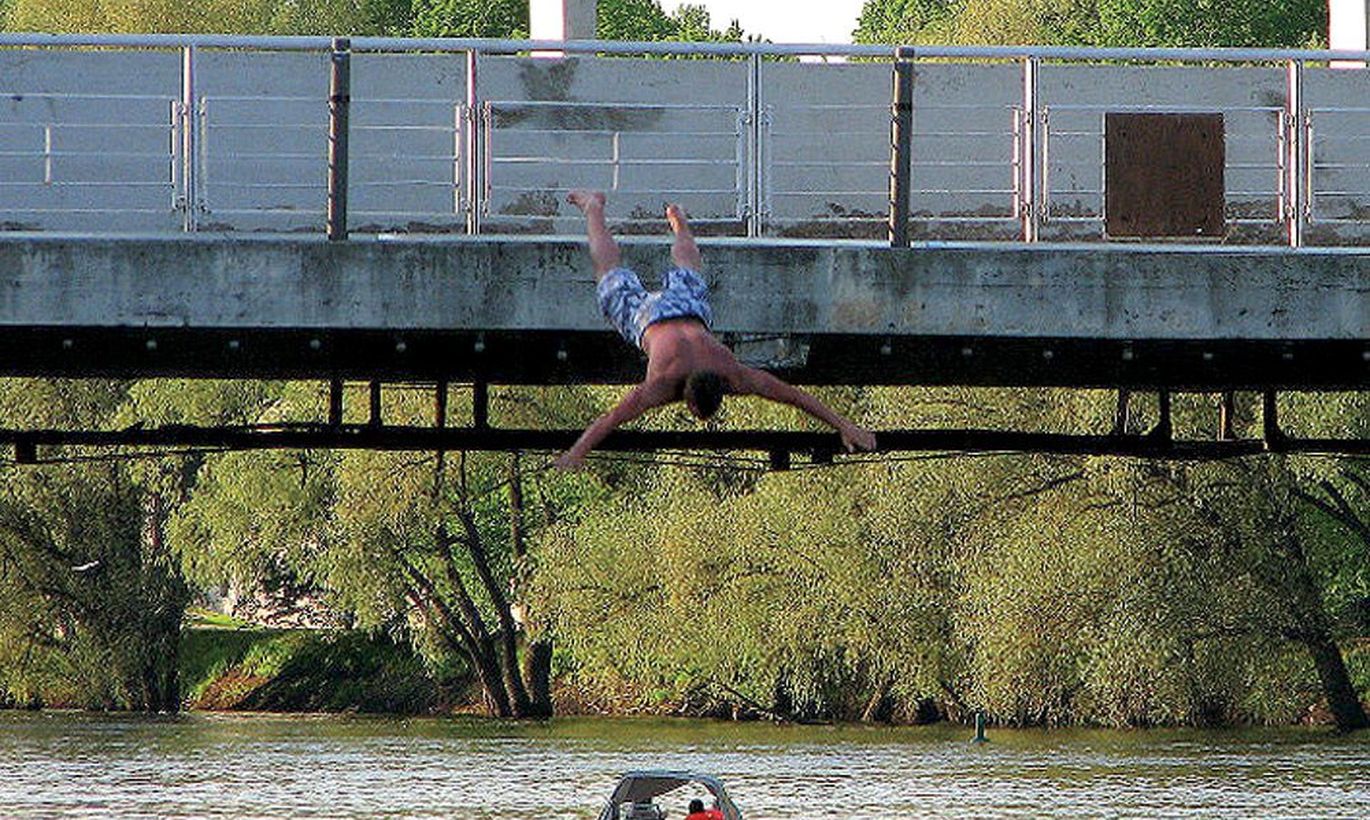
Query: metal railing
[1000, 145]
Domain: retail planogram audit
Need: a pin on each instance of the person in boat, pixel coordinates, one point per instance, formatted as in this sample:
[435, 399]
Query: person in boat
[684, 360]
[698, 812]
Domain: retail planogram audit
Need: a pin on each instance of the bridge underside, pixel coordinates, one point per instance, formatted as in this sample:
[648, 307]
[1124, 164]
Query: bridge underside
[599, 357]
[521, 311]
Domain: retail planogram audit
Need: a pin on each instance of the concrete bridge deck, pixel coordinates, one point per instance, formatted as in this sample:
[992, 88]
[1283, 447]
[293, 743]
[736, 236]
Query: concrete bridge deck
[521, 310]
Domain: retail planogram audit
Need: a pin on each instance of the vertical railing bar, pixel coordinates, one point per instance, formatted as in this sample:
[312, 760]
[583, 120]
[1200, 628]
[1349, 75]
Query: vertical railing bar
[174, 154]
[1309, 200]
[1103, 176]
[1281, 168]
[742, 177]
[190, 122]
[47, 153]
[901, 146]
[1016, 161]
[487, 148]
[754, 147]
[615, 159]
[200, 205]
[458, 158]
[1032, 215]
[474, 144]
[339, 105]
[1292, 117]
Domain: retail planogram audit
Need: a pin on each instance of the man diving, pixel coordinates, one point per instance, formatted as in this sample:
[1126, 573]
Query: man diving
[684, 360]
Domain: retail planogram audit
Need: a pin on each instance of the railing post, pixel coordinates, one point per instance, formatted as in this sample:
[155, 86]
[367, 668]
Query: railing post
[190, 143]
[474, 145]
[901, 147]
[755, 178]
[339, 103]
[1031, 153]
[1295, 160]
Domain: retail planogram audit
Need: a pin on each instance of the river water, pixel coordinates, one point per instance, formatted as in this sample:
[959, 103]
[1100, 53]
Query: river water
[246, 766]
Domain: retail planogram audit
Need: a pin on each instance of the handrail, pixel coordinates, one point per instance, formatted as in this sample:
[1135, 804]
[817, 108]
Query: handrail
[471, 124]
[506, 46]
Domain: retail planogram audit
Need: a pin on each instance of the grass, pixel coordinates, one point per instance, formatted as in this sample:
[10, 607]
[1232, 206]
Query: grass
[304, 671]
[200, 618]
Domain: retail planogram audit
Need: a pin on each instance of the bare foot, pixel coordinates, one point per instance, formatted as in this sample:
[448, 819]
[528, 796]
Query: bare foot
[586, 201]
[676, 216]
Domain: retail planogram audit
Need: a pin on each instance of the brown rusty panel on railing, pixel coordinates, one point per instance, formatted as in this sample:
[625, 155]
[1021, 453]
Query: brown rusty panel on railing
[1164, 175]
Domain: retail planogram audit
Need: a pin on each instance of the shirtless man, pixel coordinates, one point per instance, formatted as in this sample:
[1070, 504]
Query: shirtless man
[684, 361]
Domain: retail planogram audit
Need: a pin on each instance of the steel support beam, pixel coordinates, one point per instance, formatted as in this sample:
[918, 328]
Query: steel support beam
[775, 443]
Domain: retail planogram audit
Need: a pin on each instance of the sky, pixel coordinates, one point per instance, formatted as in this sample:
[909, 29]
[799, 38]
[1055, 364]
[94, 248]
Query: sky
[784, 21]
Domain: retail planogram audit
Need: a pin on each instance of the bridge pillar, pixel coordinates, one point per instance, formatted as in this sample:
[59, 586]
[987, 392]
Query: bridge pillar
[1348, 27]
[562, 19]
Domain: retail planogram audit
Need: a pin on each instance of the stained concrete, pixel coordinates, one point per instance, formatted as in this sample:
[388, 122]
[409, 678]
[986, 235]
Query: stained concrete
[1030, 302]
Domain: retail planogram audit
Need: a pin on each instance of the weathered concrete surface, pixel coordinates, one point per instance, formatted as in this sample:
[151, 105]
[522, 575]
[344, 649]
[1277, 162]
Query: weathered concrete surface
[1049, 305]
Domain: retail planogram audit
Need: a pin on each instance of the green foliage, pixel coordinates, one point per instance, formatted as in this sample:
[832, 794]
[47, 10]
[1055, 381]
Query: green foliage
[902, 21]
[470, 18]
[213, 16]
[1044, 590]
[90, 600]
[1195, 23]
[1255, 23]
[646, 20]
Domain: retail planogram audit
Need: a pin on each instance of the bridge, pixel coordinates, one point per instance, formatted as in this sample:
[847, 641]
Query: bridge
[390, 211]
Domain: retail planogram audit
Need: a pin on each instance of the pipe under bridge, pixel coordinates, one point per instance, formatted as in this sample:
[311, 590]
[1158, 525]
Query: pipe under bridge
[521, 310]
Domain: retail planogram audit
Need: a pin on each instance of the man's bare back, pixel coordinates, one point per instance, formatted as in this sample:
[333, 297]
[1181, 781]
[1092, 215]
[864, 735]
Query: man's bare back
[682, 355]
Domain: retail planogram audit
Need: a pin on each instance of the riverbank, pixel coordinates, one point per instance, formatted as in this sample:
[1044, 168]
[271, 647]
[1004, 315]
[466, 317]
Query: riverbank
[275, 670]
[230, 667]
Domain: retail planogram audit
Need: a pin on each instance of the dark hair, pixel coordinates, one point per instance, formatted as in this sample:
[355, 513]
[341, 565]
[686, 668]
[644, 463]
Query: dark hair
[696, 805]
[704, 393]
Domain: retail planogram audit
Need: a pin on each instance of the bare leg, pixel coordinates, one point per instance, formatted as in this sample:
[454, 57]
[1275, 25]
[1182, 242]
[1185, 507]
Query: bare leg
[603, 249]
[684, 252]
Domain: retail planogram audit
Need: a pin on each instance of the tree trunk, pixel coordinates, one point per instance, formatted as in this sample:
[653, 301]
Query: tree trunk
[1342, 700]
[1313, 632]
[507, 641]
[164, 596]
[475, 642]
[538, 672]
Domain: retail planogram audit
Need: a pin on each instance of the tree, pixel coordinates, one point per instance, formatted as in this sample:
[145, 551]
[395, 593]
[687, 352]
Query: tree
[470, 18]
[432, 547]
[1211, 23]
[634, 20]
[902, 21]
[1135, 23]
[91, 599]
[378, 17]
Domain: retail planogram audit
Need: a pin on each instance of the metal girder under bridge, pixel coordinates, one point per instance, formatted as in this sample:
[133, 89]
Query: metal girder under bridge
[781, 446]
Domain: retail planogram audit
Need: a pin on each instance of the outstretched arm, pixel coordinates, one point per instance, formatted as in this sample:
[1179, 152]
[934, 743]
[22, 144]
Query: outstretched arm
[638, 401]
[763, 384]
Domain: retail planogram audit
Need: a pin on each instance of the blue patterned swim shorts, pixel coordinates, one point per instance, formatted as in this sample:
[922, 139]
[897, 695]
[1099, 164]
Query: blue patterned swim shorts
[631, 309]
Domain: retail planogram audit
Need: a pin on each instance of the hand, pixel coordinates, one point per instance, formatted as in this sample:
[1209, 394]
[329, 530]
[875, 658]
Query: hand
[569, 460]
[855, 438]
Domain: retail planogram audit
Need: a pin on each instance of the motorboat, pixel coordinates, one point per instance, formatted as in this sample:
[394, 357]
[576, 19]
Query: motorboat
[635, 797]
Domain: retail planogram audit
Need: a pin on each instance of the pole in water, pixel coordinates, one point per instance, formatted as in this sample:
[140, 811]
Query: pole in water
[980, 728]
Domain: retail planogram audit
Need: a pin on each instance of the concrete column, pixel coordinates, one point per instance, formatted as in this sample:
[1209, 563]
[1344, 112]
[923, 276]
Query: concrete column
[561, 19]
[1348, 27]
[1348, 24]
